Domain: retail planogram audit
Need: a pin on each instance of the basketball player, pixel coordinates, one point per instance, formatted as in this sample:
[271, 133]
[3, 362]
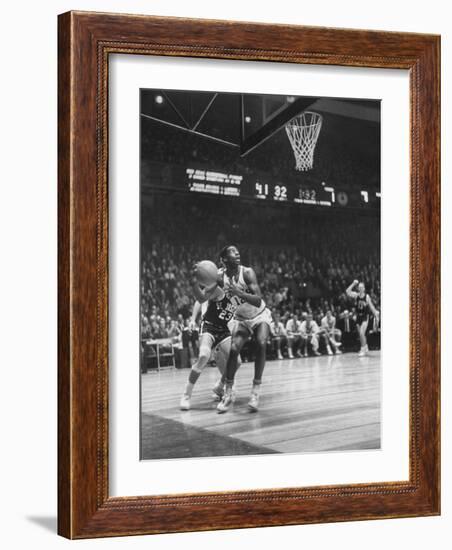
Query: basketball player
[331, 333]
[364, 306]
[252, 318]
[214, 330]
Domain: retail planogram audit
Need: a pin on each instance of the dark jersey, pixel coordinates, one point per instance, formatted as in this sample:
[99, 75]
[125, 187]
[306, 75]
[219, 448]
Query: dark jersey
[219, 313]
[362, 308]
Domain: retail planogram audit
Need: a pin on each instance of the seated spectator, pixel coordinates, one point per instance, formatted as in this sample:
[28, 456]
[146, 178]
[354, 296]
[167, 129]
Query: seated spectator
[310, 335]
[330, 333]
[294, 335]
[278, 333]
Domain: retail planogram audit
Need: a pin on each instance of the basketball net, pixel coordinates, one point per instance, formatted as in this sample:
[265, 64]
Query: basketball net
[303, 132]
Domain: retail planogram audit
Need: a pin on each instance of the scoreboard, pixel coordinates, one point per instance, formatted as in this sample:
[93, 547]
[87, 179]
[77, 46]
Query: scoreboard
[266, 188]
[301, 189]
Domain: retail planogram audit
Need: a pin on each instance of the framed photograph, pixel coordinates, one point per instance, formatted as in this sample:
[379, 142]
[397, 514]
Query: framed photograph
[248, 284]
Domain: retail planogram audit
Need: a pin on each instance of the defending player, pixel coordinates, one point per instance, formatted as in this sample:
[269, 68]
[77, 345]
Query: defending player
[253, 319]
[214, 330]
[364, 306]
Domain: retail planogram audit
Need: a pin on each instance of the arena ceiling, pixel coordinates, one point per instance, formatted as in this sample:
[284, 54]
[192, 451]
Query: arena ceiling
[247, 120]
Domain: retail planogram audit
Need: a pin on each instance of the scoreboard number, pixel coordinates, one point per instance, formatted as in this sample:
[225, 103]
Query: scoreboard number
[280, 192]
[261, 189]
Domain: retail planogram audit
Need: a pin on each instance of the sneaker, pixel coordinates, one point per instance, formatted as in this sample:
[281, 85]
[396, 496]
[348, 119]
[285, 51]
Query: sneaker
[280, 355]
[338, 352]
[299, 353]
[185, 403]
[218, 391]
[338, 344]
[362, 352]
[290, 355]
[226, 401]
[316, 353]
[328, 349]
[305, 354]
[253, 403]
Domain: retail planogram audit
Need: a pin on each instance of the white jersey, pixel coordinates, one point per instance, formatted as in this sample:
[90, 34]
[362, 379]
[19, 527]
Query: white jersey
[244, 311]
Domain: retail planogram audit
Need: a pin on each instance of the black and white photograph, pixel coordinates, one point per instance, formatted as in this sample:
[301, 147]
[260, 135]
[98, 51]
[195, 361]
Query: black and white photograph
[259, 274]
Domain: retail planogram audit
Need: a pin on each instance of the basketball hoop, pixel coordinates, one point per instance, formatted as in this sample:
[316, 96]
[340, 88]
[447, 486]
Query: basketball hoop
[303, 132]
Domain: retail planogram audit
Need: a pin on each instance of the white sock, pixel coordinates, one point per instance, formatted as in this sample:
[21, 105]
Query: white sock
[256, 387]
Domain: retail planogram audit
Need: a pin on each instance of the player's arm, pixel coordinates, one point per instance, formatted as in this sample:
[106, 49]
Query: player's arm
[199, 293]
[372, 308]
[253, 298]
[350, 292]
[203, 294]
[194, 315]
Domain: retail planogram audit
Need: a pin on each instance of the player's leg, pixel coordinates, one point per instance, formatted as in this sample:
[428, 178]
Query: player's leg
[194, 340]
[362, 328]
[205, 350]
[239, 337]
[261, 334]
[221, 357]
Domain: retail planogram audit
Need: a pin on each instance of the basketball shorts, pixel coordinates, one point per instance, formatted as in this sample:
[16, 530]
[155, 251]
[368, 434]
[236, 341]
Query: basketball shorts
[251, 324]
[217, 333]
[362, 319]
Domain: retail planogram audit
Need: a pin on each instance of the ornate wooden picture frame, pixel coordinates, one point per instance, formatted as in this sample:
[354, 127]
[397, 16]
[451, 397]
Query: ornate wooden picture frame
[86, 40]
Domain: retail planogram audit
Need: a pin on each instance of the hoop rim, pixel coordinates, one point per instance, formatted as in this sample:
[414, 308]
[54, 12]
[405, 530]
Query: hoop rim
[295, 120]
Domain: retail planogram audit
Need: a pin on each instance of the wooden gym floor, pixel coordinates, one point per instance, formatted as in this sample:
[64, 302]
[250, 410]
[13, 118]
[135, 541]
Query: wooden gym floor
[307, 405]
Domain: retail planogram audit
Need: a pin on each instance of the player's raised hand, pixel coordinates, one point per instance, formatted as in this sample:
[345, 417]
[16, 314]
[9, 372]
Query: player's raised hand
[355, 282]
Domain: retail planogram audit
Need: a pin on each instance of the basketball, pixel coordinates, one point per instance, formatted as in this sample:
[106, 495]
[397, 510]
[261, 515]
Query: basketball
[206, 272]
